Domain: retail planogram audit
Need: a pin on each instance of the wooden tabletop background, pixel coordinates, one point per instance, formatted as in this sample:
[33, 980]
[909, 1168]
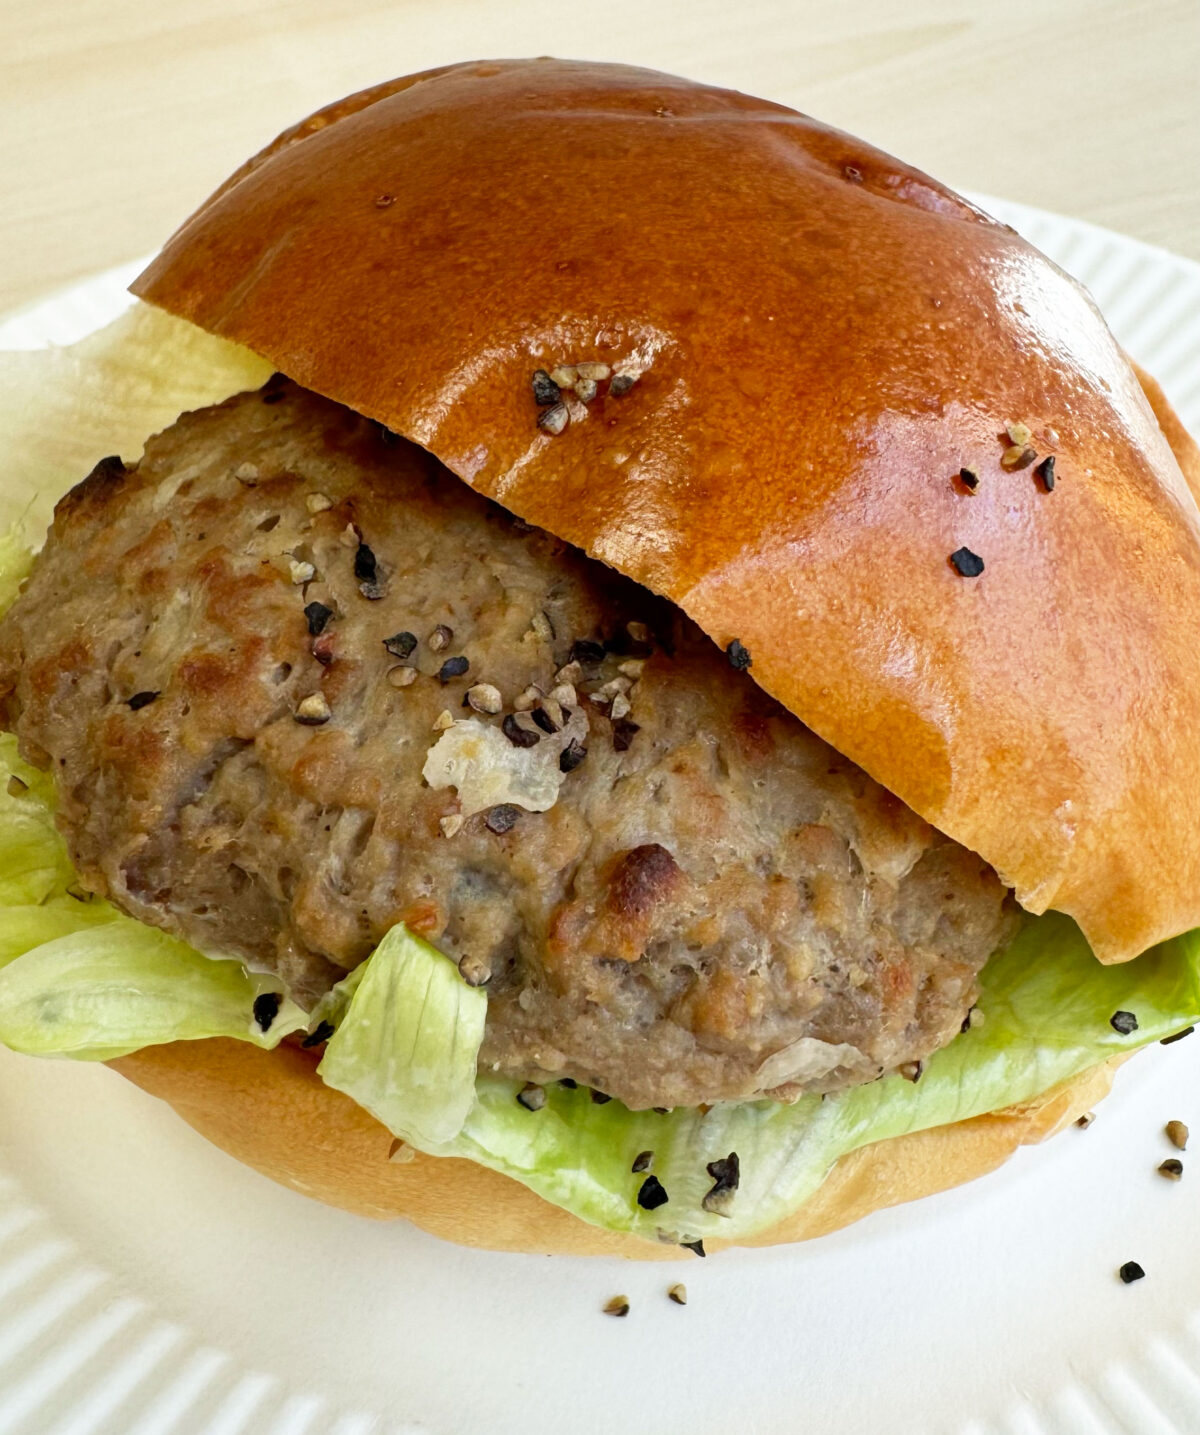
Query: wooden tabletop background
[118, 116]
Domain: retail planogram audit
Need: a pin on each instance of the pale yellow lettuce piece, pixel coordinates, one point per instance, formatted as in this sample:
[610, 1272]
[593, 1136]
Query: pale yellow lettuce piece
[63, 409]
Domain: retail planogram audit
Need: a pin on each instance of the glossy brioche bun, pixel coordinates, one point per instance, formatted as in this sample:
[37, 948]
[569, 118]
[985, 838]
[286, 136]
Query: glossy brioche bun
[825, 337]
[273, 1112]
[1183, 445]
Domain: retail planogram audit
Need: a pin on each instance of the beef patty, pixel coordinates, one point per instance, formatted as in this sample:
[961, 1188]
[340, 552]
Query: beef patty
[297, 683]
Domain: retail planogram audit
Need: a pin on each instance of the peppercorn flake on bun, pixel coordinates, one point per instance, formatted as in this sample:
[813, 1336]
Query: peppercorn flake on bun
[567, 737]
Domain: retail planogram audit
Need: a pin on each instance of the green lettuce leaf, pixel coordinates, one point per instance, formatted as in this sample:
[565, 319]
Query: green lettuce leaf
[16, 559]
[34, 865]
[25, 926]
[408, 1040]
[1043, 1017]
[116, 986]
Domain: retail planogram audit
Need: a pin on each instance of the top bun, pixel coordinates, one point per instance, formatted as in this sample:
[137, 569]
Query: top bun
[823, 339]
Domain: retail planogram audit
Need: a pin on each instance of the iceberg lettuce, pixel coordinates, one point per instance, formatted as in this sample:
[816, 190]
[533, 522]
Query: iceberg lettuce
[408, 1041]
[1043, 1017]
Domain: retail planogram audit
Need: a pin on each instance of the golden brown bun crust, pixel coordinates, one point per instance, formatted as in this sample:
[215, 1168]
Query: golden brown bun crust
[1183, 445]
[273, 1112]
[827, 338]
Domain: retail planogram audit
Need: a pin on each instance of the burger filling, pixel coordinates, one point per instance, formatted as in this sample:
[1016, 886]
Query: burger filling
[297, 685]
[321, 748]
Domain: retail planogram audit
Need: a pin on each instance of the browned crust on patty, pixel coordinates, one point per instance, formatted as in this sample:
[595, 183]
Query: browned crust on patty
[240, 658]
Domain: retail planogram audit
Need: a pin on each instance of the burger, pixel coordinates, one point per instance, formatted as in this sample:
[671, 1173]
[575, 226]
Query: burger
[624, 675]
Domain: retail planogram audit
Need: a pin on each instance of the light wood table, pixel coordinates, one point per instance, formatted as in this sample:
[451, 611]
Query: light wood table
[118, 116]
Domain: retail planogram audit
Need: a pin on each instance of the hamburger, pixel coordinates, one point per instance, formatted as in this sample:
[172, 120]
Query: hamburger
[623, 678]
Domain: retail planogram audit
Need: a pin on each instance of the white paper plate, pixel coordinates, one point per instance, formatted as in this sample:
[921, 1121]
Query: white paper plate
[150, 1284]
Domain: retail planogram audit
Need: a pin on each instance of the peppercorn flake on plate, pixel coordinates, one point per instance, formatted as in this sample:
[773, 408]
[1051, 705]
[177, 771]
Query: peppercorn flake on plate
[153, 1284]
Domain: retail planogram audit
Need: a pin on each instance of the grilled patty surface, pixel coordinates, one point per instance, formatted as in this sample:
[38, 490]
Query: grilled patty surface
[297, 683]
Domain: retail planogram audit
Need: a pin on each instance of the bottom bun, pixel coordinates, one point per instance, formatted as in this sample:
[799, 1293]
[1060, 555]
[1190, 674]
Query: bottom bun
[273, 1112]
